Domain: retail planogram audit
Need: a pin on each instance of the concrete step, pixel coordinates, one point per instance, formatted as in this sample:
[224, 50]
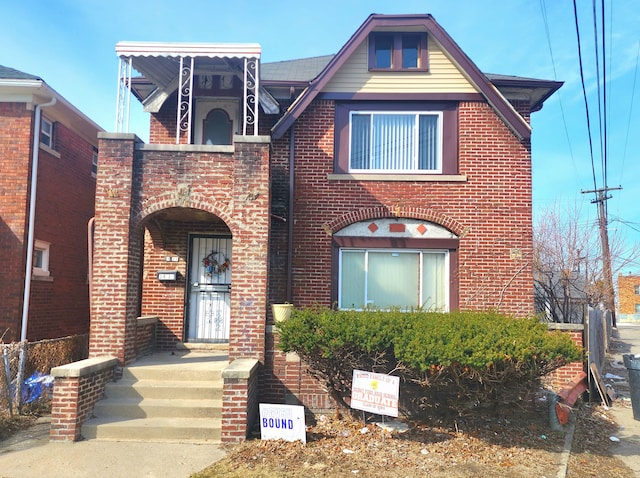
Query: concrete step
[164, 389]
[153, 429]
[157, 408]
[168, 396]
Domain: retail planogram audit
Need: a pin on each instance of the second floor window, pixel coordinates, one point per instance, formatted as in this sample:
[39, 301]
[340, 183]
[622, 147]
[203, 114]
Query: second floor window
[391, 142]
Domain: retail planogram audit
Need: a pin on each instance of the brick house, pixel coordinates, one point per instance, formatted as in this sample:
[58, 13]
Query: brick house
[629, 294]
[44, 137]
[392, 173]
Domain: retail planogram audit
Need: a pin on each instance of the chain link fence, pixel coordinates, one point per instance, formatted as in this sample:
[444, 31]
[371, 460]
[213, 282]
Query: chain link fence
[31, 362]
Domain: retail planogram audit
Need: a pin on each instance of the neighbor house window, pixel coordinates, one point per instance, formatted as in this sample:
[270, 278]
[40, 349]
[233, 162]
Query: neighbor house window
[636, 289]
[46, 132]
[398, 51]
[388, 278]
[395, 141]
[41, 258]
[94, 163]
[637, 308]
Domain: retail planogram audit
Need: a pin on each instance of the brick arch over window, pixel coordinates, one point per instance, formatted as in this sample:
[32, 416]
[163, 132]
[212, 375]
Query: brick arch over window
[385, 212]
[191, 200]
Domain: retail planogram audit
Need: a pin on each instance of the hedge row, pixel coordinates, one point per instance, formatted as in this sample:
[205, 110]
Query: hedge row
[452, 360]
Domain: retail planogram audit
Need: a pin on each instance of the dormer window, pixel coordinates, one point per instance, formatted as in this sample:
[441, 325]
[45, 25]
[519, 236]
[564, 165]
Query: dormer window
[398, 51]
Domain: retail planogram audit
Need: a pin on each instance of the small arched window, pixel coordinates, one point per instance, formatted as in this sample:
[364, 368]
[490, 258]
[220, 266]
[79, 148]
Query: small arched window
[217, 127]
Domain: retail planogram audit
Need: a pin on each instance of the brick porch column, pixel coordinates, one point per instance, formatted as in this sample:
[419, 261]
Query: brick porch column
[117, 251]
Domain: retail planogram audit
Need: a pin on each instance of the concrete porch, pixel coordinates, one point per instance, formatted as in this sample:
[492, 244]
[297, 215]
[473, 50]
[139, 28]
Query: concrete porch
[164, 397]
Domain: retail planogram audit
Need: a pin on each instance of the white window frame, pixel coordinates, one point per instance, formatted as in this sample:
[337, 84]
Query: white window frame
[416, 131]
[44, 248]
[446, 268]
[48, 135]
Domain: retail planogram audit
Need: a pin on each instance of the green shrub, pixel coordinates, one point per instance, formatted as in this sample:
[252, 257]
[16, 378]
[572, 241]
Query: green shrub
[445, 360]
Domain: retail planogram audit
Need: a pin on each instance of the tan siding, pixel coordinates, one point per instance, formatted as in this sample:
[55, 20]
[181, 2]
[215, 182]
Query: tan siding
[444, 76]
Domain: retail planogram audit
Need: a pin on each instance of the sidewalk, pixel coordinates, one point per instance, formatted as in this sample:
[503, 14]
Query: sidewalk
[625, 340]
[30, 453]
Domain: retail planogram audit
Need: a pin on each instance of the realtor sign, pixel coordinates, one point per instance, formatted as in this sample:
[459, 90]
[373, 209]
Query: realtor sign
[375, 393]
[282, 422]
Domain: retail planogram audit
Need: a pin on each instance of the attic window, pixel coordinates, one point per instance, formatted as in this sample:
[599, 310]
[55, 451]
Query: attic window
[398, 51]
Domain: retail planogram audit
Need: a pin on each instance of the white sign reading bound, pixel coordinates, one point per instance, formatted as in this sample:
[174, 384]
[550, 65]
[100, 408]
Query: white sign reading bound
[282, 422]
[375, 393]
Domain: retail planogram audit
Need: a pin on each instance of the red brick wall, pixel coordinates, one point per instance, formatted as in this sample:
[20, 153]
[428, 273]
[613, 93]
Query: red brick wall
[490, 211]
[15, 159]
[73, 401]
[627, 298]
[133, 193]
[560, 377]
[59, 305]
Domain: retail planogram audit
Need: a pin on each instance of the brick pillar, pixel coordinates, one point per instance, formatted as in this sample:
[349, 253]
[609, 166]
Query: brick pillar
[117, 251]
[251, 196]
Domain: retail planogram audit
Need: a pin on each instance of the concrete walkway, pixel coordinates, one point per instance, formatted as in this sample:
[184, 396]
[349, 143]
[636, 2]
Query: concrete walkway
[625, 340]
[30, 454]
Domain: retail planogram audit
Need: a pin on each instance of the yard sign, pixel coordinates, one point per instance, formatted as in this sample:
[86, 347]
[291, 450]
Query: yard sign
[375, 392]
[282, 422]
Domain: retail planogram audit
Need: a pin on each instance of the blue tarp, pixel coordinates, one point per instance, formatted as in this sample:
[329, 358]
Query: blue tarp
[35, 386]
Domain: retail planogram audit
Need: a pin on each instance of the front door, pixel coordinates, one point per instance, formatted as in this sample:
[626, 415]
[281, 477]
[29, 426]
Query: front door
[209, 296]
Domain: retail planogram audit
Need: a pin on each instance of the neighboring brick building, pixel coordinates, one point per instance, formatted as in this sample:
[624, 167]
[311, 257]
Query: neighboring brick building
[64, 198]
[393, 173]
[629, 294]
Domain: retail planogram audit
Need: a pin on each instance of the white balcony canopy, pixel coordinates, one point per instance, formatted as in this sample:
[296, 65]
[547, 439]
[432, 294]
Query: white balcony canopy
[170, 67]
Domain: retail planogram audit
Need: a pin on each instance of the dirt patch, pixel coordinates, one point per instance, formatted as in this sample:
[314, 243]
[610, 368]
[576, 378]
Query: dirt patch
[518, 444]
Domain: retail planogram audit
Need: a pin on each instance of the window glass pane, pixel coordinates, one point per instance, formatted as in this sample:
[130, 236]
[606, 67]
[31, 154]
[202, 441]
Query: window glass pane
[383, 51]
[410, 46]
[38, 256]
[360, 138]
[352, 280]
[393, 141]
[433, 281]
[428, 147]
[393, 279]
[46, 129]
[637, 308]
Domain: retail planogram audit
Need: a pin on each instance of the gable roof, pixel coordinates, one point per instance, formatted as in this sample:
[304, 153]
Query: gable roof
[7, 73]
[501, 106]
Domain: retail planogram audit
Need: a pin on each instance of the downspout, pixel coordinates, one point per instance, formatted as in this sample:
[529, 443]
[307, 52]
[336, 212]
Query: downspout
[32, 216]
[289, 292]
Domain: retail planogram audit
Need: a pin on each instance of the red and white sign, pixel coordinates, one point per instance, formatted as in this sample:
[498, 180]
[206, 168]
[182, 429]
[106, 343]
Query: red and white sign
[375, 393]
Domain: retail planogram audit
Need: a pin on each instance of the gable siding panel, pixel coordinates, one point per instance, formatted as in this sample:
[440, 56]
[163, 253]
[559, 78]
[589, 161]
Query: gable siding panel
[443, 77]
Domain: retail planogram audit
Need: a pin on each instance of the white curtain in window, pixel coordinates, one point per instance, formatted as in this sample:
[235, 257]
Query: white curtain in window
[392, 279]
[428, 142]
[360, 141]
[393, 138]
[433, 281]
[352, 280]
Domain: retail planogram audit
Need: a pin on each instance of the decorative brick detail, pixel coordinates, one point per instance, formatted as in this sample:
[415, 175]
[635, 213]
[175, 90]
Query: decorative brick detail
[397, 227]
[373, 227]
[422, 229]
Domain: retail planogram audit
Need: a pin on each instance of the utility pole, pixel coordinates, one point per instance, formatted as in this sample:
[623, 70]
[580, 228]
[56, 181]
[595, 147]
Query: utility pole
[604, 244]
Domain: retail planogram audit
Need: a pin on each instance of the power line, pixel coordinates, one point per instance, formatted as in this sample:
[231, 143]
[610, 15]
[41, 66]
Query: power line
[584, 94]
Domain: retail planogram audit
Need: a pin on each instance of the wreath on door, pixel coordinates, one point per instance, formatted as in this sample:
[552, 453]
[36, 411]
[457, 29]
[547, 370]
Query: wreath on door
[215, 265]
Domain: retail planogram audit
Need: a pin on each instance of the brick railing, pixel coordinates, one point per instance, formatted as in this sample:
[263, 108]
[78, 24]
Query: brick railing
[239, 399]
[76, 388]
[146, 335]
[563, 375]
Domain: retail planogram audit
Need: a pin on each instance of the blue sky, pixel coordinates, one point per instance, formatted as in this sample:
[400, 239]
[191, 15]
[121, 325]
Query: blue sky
[71, 45]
